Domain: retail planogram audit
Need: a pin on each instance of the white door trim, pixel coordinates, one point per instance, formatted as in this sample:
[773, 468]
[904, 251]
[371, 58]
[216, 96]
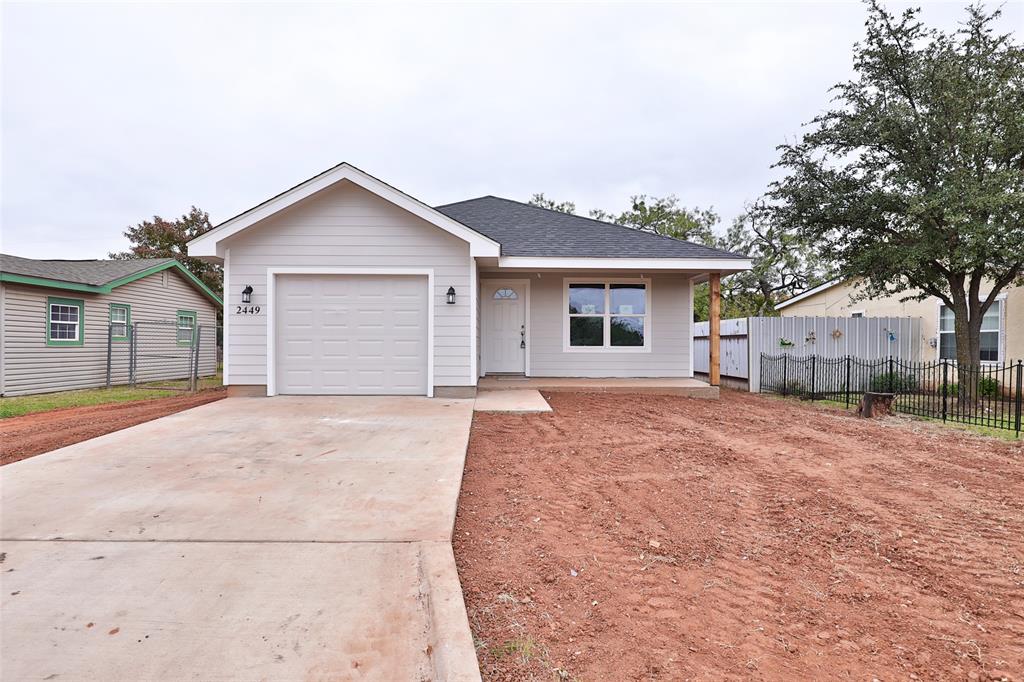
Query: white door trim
[271, 331]
[526, 318]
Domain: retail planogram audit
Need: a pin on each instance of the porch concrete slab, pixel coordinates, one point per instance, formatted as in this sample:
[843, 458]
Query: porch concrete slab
[679, 386]
[226, 611]
[521, 400]
[288, 468]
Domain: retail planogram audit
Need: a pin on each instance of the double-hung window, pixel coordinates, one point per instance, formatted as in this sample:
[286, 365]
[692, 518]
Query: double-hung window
[607, 315]
[991, 333]
[186, 325]
[65, 318]
[120, 318]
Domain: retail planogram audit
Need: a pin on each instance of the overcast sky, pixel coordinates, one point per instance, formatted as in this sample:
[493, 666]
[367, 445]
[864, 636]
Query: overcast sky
[114, 113]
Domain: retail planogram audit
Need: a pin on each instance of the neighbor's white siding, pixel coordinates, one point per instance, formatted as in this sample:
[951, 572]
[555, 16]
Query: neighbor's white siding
[671, 322]
[347, 226]
[32, 366]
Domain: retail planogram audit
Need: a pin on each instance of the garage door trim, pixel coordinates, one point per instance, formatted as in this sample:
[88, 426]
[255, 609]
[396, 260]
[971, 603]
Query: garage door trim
[272, 274]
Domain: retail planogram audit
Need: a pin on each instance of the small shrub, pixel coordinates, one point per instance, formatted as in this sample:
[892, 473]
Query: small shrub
[988, 387]
[893, 382]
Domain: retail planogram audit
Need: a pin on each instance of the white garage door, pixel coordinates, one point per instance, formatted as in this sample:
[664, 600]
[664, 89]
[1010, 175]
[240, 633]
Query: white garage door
[351, 334]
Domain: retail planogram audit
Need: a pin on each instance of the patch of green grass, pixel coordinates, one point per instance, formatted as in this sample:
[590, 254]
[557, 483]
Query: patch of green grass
[1006, 433]
[523, 648]
[44, 402]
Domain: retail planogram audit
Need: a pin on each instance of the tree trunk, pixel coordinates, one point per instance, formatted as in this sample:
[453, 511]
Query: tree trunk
[967, 326]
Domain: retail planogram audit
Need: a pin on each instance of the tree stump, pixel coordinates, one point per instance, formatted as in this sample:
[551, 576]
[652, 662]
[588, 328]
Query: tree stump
[874, 404]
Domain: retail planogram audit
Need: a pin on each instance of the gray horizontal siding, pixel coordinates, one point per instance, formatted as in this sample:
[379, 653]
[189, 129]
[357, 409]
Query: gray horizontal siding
[346, 226]
[670, 318]
[31, 366]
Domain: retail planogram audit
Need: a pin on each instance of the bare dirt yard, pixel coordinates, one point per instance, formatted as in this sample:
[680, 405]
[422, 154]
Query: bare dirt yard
[33, 434]
[647, 538]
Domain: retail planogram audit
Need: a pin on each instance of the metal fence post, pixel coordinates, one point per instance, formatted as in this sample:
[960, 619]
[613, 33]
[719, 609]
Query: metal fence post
[814, 366]
[945, 388]
[847, 380]
[892, 389]
[1020, 388]
[785, 374]
[110, 344]
[132, 331]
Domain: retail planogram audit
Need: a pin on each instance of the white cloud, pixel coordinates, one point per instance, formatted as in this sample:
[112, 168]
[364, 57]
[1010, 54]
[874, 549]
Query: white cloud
[113, 113]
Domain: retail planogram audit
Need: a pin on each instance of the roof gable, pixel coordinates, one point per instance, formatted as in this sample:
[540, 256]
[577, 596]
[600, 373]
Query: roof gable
[207, 244]
[533, 231]
[92, 276]
[808, 293]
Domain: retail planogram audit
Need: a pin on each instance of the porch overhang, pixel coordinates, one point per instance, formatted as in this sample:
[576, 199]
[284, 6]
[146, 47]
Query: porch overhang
[697, 266]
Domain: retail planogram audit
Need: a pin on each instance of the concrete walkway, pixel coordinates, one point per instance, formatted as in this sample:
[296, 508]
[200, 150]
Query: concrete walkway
[283, 538]
[525, 400]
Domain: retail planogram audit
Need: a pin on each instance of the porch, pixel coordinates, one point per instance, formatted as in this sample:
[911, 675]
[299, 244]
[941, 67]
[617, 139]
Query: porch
[680, 386]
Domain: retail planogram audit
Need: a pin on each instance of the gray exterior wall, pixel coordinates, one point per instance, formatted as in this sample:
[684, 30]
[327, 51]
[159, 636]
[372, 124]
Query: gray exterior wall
[345, 226]
[31, 366]
[671, 319]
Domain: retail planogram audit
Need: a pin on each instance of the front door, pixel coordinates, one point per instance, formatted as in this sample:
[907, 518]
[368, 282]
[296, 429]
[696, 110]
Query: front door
[504, 326]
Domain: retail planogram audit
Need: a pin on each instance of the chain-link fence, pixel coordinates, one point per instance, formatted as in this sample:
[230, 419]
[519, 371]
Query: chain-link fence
[161, 355]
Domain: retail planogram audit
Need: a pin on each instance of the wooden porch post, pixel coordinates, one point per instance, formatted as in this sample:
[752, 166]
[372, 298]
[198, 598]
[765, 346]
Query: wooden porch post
[715, 324]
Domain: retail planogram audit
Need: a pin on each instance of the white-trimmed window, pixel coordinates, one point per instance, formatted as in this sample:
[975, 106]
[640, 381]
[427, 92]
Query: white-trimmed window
[991, 333]
[186, 325]
[120, 318]
[64, 320]
[608, 315]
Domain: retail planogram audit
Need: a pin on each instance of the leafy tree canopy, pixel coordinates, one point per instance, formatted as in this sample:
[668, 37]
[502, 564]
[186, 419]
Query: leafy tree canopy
[159, 238]
[913, 181]
[783, 264]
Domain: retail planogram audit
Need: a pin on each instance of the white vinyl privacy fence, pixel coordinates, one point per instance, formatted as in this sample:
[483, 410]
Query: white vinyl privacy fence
[744, 339]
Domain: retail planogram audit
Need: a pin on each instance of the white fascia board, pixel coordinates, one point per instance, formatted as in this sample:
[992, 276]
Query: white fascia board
[701, 264]
[207, 244]
[809, 292]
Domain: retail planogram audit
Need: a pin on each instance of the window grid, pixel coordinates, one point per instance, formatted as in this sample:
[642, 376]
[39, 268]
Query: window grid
[990, 333]
[64, 319]
[623, 326]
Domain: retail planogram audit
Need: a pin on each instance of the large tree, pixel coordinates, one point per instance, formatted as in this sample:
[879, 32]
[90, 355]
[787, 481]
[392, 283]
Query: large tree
[782, 263]
[159, 238]
[664, 216]
[913, 181]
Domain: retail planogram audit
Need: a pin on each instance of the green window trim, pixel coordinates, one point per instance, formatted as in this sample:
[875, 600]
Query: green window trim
[127, 320]
[70, 302]
[178, 327]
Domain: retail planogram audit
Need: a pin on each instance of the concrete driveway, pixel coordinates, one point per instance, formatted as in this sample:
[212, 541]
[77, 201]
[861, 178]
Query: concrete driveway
[282, 538]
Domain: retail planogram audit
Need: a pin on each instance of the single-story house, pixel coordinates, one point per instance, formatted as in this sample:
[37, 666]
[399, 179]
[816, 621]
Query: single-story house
[344, 284]
[59, 319]
[1002, 328]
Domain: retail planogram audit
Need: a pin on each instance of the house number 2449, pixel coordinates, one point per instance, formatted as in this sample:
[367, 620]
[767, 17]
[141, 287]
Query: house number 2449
[248, 309]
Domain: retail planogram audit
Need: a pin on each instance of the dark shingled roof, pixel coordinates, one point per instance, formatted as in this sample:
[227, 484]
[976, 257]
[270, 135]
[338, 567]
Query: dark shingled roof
[526, 230]
[91, 272]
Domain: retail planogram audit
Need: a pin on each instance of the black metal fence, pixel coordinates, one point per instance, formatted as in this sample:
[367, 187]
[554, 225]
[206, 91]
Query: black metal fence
[161, 355]
[986, 395]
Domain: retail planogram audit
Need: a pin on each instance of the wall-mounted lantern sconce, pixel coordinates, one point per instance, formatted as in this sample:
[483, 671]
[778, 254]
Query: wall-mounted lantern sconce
[247, 294]
[450, 296]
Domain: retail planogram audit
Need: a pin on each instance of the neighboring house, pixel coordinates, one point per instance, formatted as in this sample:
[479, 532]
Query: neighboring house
[346, 285]
[1002, 329]
[55, 317]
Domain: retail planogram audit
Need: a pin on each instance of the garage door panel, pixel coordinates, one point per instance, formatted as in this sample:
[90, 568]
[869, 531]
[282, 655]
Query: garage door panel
[351, 334]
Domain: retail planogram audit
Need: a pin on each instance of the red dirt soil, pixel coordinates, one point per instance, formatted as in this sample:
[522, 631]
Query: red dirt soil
[33, 434]
[652, 537]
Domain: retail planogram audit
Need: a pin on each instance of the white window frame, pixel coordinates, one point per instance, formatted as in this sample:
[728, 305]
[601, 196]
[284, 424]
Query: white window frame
[606, 347]
[77, 323]
[192, 315]
[856, 314]
[1000, 344]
